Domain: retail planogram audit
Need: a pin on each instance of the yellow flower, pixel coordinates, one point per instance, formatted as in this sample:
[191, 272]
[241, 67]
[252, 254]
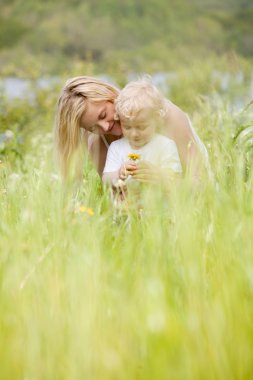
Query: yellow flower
[134, 156]
[84, 210]
[90, 211]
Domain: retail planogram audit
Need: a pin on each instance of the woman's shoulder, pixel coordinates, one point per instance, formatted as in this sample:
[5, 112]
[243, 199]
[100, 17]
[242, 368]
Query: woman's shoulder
[175, 113]
[177, 122]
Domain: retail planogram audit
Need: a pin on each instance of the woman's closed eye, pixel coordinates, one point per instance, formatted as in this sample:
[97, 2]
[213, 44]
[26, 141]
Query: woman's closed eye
[102, 115]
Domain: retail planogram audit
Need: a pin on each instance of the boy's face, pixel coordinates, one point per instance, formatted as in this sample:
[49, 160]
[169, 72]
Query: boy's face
[140, 130]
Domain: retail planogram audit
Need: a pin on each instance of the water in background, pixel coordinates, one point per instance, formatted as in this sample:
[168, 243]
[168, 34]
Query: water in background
[235, 86]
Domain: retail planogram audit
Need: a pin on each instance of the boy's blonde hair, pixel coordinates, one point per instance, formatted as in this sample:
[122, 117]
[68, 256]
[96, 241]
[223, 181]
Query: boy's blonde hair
[72, 104]
[137, 96]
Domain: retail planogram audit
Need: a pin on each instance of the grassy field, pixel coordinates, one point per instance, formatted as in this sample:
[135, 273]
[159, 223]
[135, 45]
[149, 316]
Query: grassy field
[87, 294]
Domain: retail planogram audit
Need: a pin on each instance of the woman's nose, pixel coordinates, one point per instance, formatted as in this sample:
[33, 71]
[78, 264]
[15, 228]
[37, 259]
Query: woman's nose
[104, 125]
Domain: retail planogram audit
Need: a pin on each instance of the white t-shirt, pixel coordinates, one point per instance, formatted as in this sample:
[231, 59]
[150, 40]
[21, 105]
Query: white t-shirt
[160, 151]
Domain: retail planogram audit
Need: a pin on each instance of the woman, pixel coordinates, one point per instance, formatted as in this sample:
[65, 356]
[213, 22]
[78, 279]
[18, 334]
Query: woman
[86, 118]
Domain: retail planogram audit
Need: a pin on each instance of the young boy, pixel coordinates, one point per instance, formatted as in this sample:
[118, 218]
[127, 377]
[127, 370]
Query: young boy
[140, 108]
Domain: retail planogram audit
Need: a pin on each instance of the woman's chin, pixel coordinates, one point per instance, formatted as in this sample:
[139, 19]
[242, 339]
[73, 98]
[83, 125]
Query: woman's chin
[116, 130]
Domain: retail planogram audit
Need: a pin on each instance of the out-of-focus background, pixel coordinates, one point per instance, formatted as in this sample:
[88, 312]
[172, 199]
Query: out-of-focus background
[121, 36]
[117, 38]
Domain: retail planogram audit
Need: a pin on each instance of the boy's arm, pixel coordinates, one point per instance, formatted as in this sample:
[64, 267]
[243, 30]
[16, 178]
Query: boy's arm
[148, 172]
[110, 177]
[125, 170]
[169, 167]
[112, 164]
[115, 167]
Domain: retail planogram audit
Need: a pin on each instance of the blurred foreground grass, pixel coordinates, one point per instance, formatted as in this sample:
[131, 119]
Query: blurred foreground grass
[165, 296]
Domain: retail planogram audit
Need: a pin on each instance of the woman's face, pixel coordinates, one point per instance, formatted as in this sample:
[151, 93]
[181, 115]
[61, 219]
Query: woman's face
[99, 118]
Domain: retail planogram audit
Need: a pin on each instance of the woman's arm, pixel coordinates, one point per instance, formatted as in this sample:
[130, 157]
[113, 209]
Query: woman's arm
[177, 127]
[97, 151]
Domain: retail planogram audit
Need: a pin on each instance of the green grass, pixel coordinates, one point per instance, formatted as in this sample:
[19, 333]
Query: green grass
[164, 296]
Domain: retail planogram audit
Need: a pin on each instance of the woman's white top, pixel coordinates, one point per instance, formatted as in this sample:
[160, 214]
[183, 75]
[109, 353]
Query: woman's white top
[200, 144]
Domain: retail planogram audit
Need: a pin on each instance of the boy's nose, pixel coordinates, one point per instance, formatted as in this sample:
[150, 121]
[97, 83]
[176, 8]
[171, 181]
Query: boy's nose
[135, 133]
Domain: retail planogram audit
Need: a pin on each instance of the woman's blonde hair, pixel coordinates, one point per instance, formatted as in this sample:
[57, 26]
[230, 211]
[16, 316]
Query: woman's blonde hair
[71, 106]
[139, 95]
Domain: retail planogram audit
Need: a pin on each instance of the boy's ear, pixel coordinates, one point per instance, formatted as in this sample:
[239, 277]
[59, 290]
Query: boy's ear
[116, 116]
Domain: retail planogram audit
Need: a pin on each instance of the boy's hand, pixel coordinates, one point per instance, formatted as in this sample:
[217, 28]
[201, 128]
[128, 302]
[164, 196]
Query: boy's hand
[147, 172]
[127, 169]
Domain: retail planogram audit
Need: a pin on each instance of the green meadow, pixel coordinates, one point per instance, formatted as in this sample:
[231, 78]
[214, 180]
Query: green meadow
[88, 292]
